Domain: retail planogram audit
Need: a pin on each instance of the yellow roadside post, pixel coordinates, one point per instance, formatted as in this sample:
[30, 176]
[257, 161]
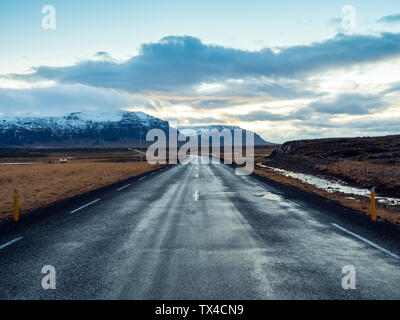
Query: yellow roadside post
[16, 205]
[373, 209]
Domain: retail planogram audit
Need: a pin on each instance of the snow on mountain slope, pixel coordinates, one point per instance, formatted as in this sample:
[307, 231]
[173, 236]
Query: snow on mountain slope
[75, 120]
[91, 129]
[197, 131]
[79, 129]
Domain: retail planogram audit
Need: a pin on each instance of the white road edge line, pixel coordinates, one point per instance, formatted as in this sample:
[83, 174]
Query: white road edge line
[86, 205]
[142, 178]
[367, 241]
[10, 242]
[124, 187]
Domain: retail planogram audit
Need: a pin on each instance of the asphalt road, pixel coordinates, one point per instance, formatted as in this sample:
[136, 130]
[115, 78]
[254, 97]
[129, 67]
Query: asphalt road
[199, 232]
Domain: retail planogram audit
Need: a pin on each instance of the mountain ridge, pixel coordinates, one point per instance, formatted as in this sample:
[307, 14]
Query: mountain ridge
[79, 129]
[190, 130]
[87, 129]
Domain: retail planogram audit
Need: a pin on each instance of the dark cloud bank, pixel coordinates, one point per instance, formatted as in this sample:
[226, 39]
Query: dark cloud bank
[177, 62]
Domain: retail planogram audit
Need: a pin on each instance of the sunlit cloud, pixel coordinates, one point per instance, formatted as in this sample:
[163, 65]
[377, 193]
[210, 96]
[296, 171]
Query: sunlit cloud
[210, 87]
[325, 88]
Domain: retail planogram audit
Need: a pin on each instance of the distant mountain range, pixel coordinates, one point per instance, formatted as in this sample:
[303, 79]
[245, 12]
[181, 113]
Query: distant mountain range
[196, 130]
[86, 130]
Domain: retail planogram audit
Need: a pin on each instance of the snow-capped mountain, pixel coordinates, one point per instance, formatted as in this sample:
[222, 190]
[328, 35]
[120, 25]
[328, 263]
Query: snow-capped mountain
[80, 129]
[91, 129]
[191, 131]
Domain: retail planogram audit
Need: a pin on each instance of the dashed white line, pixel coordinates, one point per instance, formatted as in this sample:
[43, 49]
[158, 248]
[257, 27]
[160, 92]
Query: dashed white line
[124, 187]
[86, 205]
[196, 196]
[10, 242]
[367, 241]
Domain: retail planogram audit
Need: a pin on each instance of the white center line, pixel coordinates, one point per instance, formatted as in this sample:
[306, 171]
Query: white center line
[196, 196]
[11, 242]
[124, 187]
[367, 241]
[86, 205]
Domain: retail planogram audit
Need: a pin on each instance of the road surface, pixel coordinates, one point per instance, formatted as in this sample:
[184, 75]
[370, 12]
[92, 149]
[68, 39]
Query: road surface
[198, 232]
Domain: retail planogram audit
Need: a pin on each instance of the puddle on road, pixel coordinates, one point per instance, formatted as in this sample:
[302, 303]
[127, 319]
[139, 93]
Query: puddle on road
[332, 186]
[271, 196]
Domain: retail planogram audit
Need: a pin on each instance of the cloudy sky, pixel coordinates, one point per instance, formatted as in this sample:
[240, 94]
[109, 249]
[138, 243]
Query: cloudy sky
[285, 69]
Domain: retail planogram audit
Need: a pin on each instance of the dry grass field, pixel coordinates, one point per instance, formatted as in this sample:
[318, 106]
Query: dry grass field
[53, 156]
[45, 183]
[259, 154]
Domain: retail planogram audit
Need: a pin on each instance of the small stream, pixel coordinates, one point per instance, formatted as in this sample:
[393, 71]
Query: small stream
[333, 186]
[18, 163]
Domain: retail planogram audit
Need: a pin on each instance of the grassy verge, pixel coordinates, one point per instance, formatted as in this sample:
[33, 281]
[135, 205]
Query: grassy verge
[42, 184]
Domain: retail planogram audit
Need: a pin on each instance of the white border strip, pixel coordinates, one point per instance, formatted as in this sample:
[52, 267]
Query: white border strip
[124, 187]
[11, 242]
[367, 241]
[142, 178]
[86, 205]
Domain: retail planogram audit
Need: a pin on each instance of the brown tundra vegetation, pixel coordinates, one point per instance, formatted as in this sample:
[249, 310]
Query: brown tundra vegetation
[44, 183]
